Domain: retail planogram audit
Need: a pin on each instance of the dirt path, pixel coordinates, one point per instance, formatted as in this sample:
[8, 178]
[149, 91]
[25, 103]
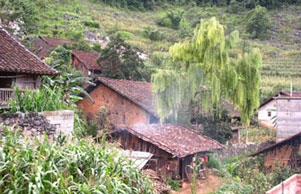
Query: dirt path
[203, 186]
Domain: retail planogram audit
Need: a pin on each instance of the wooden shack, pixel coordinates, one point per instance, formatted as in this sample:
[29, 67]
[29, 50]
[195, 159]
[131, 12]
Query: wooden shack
[173, 147]
[128, 102]
[18, 66]
[284, 153]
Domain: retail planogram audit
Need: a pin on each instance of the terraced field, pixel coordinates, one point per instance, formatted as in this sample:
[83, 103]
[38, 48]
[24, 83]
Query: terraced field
[279, 72]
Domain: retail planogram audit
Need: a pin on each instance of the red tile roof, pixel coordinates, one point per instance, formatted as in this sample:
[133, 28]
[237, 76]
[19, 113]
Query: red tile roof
[14, 57]
[138, 92]
[177, 140]
[89, 59]
[43, 45]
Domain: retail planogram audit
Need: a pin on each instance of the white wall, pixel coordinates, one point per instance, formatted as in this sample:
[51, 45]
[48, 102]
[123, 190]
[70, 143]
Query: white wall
[63, 120]
[263, 114]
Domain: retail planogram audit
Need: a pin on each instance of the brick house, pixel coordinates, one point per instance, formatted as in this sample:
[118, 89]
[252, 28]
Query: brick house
[129, 102]
[86, 62]
[172, 146]
[18, 66]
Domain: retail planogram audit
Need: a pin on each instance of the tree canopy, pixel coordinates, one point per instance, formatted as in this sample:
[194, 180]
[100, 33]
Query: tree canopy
[212, 65]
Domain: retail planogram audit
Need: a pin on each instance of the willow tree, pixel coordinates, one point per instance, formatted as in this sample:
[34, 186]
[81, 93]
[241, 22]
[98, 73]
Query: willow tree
[210, 62]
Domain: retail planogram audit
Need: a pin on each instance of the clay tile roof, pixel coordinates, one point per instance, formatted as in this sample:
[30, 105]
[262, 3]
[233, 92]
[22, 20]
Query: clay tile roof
[14, 57]
[89, 59]
[43, 45]
[54, 42]
[177, 140]
[138, 92]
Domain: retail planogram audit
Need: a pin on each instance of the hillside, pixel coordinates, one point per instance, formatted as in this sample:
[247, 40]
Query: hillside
[152, 32]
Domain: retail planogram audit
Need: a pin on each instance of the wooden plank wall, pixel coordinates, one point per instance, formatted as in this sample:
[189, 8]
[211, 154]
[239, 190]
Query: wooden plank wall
[288, 118]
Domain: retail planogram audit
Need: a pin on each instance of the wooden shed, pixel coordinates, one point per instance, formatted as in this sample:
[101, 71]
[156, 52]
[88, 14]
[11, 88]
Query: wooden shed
[284, 153]
[173, 146]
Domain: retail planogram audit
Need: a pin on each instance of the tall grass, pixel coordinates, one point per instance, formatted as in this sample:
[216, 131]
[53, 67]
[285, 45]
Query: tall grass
[34, 166]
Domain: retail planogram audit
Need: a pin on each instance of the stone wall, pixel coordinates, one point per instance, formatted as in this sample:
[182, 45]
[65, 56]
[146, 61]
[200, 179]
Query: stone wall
[51, 122]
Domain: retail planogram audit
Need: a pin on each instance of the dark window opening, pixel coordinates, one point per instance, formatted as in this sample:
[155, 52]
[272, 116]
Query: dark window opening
[123, 119]
[269, 114]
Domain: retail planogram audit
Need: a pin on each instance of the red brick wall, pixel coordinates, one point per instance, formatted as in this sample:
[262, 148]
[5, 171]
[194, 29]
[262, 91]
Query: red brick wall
[122, 111]
[79, 66]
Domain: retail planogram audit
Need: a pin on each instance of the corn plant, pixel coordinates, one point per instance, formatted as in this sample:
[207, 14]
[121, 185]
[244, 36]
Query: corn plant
[60, 166]
[44, 99]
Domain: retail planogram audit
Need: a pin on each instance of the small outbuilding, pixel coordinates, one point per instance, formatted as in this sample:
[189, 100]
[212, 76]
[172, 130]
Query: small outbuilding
[284, 153]
[173, 147]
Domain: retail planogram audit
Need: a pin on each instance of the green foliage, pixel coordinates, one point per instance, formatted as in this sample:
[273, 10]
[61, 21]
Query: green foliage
[125, 35]
[24, 12]
[171, 19]
[216, 127]
[258, 23]
[121, 61]
[208, 61]
[44, 99]
[153, 34]
[91, 23]
[174, 184]
[70, 81]
[248, 175]
[212, 162]
[60, 166]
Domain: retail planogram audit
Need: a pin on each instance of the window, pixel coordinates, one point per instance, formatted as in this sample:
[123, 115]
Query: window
[269, 113]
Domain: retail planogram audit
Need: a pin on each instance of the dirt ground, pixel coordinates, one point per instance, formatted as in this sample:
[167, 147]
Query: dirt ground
[203, 186]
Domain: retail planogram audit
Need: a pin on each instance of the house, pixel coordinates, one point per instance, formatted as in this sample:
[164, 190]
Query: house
[267, 110]
[44, 45]
[83, 61]
[129, 102]
[18, 66]
[173, 147]
[284, 153]
[86, 62]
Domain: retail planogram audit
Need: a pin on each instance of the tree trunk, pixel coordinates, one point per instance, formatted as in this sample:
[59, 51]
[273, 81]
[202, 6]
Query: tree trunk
[247, 133]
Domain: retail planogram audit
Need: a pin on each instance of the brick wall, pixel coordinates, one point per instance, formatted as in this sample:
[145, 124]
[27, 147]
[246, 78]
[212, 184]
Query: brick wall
[290, 186]
[122, 111]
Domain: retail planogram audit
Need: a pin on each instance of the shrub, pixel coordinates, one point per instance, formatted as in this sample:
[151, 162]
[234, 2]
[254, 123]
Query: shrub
[153, 34]
[212, 162]
[58, 166]
[91, 23]
[125, 35]
[171, 19]
[258, 23]
[174, 184]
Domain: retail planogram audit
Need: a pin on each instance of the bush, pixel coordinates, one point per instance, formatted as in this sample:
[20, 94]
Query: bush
[258, 23]
[171, 19]
[58, 166]
[212, 162]
[153, 34]
[174, 184]
[91, 23]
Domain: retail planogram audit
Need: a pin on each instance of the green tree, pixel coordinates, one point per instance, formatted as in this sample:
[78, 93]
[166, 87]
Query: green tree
[120, 60]
[212, 66]
[258, 23]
